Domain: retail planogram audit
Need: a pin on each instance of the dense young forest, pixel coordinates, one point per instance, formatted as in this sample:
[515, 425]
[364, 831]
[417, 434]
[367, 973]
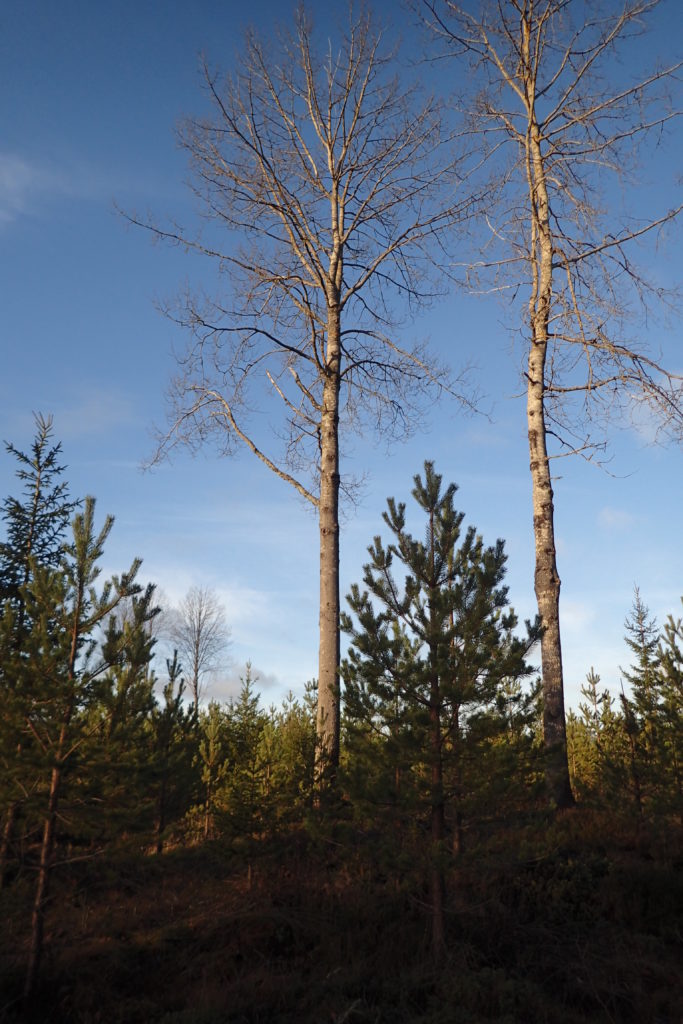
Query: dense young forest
[164, 860]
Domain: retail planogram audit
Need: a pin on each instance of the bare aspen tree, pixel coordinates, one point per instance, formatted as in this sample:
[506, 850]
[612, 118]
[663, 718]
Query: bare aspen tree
[198, 630]
[560, 121]
[321, 180]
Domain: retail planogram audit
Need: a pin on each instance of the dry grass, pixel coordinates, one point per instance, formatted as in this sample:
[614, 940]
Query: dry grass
[549, 924]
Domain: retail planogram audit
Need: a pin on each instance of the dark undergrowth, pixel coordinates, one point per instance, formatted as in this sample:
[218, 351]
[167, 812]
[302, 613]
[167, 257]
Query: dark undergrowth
[555, 923]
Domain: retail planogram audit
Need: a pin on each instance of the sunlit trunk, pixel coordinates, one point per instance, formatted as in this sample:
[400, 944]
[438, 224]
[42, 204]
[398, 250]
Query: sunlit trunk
[547, 587]
[546, 577]
[328, 664]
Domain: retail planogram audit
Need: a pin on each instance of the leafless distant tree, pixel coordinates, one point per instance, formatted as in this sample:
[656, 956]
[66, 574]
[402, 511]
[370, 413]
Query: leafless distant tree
[322, 180]
[198, 630]
[562, 120]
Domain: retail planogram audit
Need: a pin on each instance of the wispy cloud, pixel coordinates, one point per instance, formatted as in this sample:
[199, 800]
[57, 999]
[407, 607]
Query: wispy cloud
[98, 412]
[615, 518]
[27, 184]
[21, 183]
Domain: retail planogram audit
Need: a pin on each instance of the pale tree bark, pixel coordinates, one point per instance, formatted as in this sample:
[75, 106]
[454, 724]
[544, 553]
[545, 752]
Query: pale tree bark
[328, 711]
[199, 631]
[546, 576]
[333, 189]
[553, 128]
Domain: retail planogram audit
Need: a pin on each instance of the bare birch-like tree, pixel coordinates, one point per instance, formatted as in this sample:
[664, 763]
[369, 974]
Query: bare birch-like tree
[322, 183]
[199, 632]
[561, 120]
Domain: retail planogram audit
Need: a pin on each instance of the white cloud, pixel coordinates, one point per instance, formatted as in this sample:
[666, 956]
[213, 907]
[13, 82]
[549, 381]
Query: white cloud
[227, 685]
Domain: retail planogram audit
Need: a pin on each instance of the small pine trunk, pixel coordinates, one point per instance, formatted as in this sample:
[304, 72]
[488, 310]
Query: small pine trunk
[5, 842]
[42, 888]
[161, 816]
[438, 829]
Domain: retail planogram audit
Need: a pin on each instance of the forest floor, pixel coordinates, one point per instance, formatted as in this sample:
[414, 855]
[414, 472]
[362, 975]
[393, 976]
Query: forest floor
[548, 924]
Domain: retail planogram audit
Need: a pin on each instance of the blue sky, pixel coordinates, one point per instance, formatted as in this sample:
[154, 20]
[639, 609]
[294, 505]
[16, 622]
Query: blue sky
[91, 96]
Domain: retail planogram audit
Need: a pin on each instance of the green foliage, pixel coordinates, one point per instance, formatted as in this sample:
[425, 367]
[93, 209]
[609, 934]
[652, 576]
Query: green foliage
[256, 767]
[212, 760]
[628, 755]
[173, 735]
[432, 694]
[597, 745]
[287, 747]
[245, 782]
[120, 774]
[669, 717]
[35, 524]
[652, 714]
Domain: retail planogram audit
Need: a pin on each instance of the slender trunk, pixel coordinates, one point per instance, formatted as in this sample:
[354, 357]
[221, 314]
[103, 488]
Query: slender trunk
[327, 726]
[546, 578]
[6, 840]
[631, 729]
[438, 829]
[195, 673]
[455, 738]
[161, 817]
[635, 779]
[207, 812]
[47, 847]
[438, 810]
[679, 783]
[45, 868]
[458, 842]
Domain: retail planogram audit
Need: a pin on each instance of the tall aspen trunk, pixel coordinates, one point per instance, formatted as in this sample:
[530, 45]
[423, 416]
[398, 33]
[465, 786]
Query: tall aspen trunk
[547, 587]
[546, 577]
[328, 715]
